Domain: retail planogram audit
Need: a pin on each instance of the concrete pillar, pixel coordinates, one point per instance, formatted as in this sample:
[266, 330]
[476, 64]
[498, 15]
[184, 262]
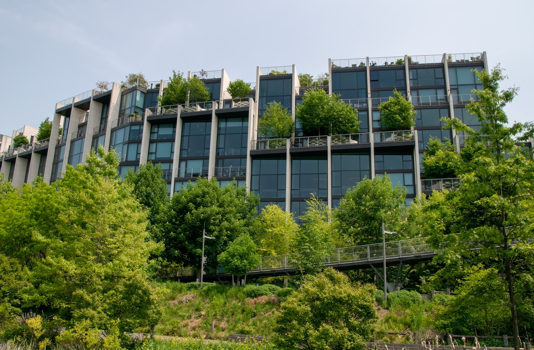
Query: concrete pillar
[75, 116]
[145, 142]
[213, 144]
[370, 118]
[295, 84]
[329, 161]
[250, 135]
[417, 170]
[225, 81]
[93, 121]
[6, 166]
[449, 98]
[21, 164]
[177, 140]
[56, 124]
[288, 175]
[330, 77]
[34, 167]
[114, 108]
[485, 60]
[257, 99]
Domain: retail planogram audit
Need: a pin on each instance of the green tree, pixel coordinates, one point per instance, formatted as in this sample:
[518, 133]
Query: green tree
[150, 189]
[240, 257]
[495, 194]
[45, 129]
[227, 212]
[323, 114]
[179, 90]
[364, 208]
[276, 121]
[327, 312]
[443, 166]
[135, 79]
[5, 187]
[20, 140]
[397, 113]
[274, 231]
[238, 89]
[305, 79]
[313, 242]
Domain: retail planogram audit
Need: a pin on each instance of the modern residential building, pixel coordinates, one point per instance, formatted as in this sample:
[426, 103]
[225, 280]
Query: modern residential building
[219, 138]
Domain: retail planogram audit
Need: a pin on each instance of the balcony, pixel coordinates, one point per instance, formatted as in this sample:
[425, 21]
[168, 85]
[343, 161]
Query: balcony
[350, 139]
[393, 136]
[78, 134]
[464, 57]
[100, 129]
[435, 100]
[66, 102]
[236, 171]
[425, 59]
[303, 89]
[309, 141]
[464, 99]
[83, 95]
[357, 102]
[102, 87]
[234, 103]
[386, 61]
[349, 63]
[269, 144]
[163, 110]
[279, 70]
[24, 148]
[377, 101]
[125, 120]
[205, 75]
[41, 143]
[192, 172]
[199, 106]
[429, 185]
[167, 174]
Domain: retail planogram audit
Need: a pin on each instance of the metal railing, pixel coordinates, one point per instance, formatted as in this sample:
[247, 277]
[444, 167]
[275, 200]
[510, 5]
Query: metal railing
[349, 62]
[376, 101]
[463, 99]
[167, 174]
[425, 59]
[102, 89]
[199, 106]
[125, 120]
[100, 129]
[310, 141]
[84, 118]
[192, 172]
[78, 133]
[66, 102]
[170, 109]
[393, 136]
[154, 84]
[41, 143]
[350, 139]
[303, 89]
[276, 70]
[464, 57]
[234, 103]
[12, 152]
[428, 185]
[268, 144]
[434, 100]
[84, 95]
[230, 171]
[25, 148]
[210, 74]
[386, 61]
[357, 102]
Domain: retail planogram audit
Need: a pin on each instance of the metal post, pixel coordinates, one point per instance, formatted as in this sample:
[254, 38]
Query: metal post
[202, 257]
[384, 256]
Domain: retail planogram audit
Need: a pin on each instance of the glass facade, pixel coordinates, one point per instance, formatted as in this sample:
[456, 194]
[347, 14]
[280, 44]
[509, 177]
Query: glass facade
[426, 77]
[196, 137]
[214, 89]
[399, 167]
[350, 85]
[163, 132]
[347, 170]
[269, 177]
[262, 205]
[425, 135]
[431, 117]
[231, 167]
[232, 137]
[121, 141]
[76, 152]
[383, 96]
[467, 118]
[161, 151]
[275, 90]
[123, 170]
[391, 78]
[193, 168]
[57, 164]
[132, 103]
[42, 165]
[65, 130]
[404, 179]
[151, 99]
[98, 141]
[462, 82]
[309, 177]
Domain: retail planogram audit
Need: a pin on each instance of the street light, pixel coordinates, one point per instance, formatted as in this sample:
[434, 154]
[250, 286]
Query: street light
[202, 258]
[384, 233]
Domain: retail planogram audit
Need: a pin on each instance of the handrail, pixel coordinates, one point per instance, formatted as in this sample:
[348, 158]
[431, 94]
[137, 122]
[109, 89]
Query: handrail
[425, 59]
[66, 102]
[350, 139]
[377, 101]
[386, 61]
[234, 103]
[278, 70]
[99, 129]
[25, 148]
[393, 136]
[440, 184]
[268, 144]
[84, 95]
[78, 133]
[104, 88]
[464, 57]
[210, 74]
[349, 62]
[192, 172]
[430, 100]
[357, 102]
[162, 110]
[230, 171]
[125, 120]
[41, 143]
[199, 106]
[309, 141]
[463, 99]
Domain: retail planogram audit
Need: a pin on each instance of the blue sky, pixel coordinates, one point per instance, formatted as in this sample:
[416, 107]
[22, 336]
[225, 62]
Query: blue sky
[53, 50]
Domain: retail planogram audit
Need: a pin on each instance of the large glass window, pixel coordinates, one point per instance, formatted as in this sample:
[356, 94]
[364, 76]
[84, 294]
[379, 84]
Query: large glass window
[57, 164]
[104, 117]
[97, 142]
[425, 135]
[65, 130]
[231, 167]
[309, 177]
[426, 77]
[262, 205]
[163, 132]
[462, 82]
[298, 208]
[429, 97]
[393, 162]
[391, 78]
[120, 141]
[350, 85]
[132, 103]
[161, 151]
[76, 152]
[467, 118]
[404, 179]
[383, 96]
[123, 170]
[430, 117]
[193, 168]
[232, 137]
[179, 184]
[42, 165]
[151, 99]
[275, 90]
[195, 139]
[347, 170]
[269, 177]
[214, 89]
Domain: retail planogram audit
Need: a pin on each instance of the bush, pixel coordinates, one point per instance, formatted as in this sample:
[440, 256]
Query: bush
[284, 292]
[272, 288]
[379, 297]
[258, 291]
[196, 285]
[442, 299]
[404, 298]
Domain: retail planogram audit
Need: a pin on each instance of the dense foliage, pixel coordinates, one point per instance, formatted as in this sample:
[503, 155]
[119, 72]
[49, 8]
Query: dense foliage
[238, 89]
[276, 121]
[20, 140]
[181, 90]
[45, 129]
[397, 113]
[274, 231]
[240, 257]
[135, 79]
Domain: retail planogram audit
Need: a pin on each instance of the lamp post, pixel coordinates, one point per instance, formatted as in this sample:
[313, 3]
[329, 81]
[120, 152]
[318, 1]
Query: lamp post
[384, 233]
[202, 257]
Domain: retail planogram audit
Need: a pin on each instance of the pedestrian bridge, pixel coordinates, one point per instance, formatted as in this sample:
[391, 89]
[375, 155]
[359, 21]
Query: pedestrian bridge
[347, 258]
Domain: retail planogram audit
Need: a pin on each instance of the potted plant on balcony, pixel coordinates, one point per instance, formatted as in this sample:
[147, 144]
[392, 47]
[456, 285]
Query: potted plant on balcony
[276, 122]
[238, 90]
[397, 114]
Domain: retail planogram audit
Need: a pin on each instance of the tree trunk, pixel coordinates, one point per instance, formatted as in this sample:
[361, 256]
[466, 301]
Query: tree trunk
[515, 326]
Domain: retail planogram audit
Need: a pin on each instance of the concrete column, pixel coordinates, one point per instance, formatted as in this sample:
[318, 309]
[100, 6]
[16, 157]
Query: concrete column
[370, 118]
[257, 112]
[177, 140]
[162, 86]
[75, 116]
[295, 84]
[34, 167]
[93, 121]
[145, 142]
[6, 167]
[330, 77]
[19, 173]
[329, 161]
[251, 109]
[213, 144]
[417, 165]
[114, 108]
[485, 60]
[288, 175]
[450, 99]
[225, 81]
[407, 73]
[56, 124]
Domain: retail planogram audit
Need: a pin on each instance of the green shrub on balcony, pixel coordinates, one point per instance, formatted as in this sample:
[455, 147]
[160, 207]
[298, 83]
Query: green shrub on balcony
[276, 121]
[397, 113]
[180, 90]
[238, 89]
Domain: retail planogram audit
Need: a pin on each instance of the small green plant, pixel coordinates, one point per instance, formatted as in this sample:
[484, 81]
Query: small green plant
[276, 121]
[20, 140]
[238, 89]
[397, 113]
[399, 62]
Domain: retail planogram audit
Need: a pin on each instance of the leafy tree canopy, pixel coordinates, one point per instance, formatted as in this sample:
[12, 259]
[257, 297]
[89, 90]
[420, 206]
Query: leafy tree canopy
[238, 89]
[180, 90]
[135, 79]
[274, 231]
[442, 166]
[321, 113]
[397, 113]
[276, 121]
[308, 80]
[5, 187]
[20, 140]
[240, 257]
[327, 312]
[45, 129]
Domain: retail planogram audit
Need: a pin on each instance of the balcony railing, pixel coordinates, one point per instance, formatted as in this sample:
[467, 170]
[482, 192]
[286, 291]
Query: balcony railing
[350, 139]
[192, 172]
[349, 63]
[167, 174]
[210, 74]
[235, 171]
[303, 89]
[66, 102]
[84, 95]
[125, 120]
[24, 148]
[234, 103]
[379, 100]
[276, 70]
[425, 59]
[154, 84]
[105, 87]
[170, 109]
[42, 143]
[78, 133]
[199, 106]
[99, 129]
[393, 136]
[386, 61]
[428, 185]
[310, 141]
[12, 152]
[463, 99]
[464, 57]
[434, 100]
[268, 144]
[357, 102]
